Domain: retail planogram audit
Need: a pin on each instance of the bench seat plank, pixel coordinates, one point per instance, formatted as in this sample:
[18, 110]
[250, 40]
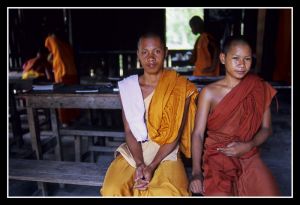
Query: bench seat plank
[79, 173]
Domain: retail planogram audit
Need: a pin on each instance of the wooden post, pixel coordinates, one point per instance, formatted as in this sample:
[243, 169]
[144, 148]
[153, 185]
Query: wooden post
[36, 142]
[55, 131]
[77, 142]
[260, 38]
[35, 132]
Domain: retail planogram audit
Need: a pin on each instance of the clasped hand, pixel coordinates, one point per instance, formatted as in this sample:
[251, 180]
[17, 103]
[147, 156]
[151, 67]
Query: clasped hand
[196, 185]
[143, 175]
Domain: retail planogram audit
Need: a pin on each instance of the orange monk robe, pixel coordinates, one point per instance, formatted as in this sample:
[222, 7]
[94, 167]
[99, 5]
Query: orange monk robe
[238, 117]
[204, 58]
[64, 71]
[63, 60]
[166, 110]
[164, 119]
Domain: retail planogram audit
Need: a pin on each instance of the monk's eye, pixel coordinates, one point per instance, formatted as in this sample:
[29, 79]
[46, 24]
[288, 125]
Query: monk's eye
[157, 51]
[144, 53]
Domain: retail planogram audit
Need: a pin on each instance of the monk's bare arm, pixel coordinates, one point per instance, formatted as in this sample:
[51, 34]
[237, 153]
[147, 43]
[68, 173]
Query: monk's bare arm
[203, 108]
[133, 145]
[49, 74]
[265, 130]
[137, 153]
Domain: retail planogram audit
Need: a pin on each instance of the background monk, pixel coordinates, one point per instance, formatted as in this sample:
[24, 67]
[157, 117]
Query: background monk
[38, 67]
[235, 111]
[64, 70]
[206, 50]
[158, 111]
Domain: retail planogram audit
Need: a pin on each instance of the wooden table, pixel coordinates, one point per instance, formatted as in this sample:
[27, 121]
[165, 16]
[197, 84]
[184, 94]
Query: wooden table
[52, 100]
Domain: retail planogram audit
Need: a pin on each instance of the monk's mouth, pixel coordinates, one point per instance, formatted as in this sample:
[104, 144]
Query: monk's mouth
[152, 65]
[240, 72]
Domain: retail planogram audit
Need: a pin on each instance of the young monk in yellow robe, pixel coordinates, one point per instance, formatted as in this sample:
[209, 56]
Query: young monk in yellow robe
[158, 111]
[64, 70]
[206, 50]
[234, 118]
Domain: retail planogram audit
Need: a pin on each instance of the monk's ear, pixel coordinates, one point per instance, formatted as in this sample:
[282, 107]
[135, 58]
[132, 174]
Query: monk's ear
[166, 51]
[137, 54]
[222, 58]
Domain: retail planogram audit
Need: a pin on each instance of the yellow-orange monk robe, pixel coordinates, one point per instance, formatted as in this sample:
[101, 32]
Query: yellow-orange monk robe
[35, 68]
[165, 114]
[64, 70]
[63, 59]
[166, 110]
[149, 147]
[238, 117]
[31, 74]
[204, 58]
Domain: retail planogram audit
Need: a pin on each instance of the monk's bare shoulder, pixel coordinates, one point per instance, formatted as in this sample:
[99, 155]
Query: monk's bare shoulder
[215, 88]
[213, 92]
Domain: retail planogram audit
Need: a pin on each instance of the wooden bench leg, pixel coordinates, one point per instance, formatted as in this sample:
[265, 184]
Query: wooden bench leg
[43, 187]
[34, 132]
[77, 142]
[55, 131]
[92, 153]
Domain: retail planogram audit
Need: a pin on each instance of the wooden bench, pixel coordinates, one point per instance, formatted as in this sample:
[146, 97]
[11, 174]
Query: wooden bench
[63, 172]
[91, 132]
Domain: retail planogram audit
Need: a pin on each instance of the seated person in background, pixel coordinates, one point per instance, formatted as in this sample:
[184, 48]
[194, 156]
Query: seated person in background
[234, 117]
[206, 50]
[62, 59]
[158, 116]
[64, 69]
[38, 67]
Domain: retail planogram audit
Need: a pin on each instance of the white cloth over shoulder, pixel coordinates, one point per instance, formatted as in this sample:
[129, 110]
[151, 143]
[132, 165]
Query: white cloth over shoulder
[133, 106]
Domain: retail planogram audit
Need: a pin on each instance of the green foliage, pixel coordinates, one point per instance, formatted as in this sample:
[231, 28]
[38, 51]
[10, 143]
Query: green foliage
[179, 34]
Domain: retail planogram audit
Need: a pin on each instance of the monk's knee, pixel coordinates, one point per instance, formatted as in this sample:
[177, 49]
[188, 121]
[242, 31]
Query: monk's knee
[111, 189]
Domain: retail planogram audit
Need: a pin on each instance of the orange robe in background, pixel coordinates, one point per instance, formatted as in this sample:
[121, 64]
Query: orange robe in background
[238, 117]
[64, 70]
[36, 68]
[203, 57]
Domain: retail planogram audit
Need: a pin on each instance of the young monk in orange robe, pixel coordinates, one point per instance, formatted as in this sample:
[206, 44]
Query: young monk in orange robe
[64, 70]
[235, 113]
[38, 67]
[206, 50]
[156, 128]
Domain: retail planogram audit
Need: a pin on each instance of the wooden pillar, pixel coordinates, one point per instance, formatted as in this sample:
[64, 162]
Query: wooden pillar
[260, 38]
[55, 131]
[34, 129]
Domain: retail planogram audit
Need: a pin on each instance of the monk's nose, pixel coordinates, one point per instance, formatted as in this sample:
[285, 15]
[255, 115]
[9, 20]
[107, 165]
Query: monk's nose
[242, 63]
[151, 58]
